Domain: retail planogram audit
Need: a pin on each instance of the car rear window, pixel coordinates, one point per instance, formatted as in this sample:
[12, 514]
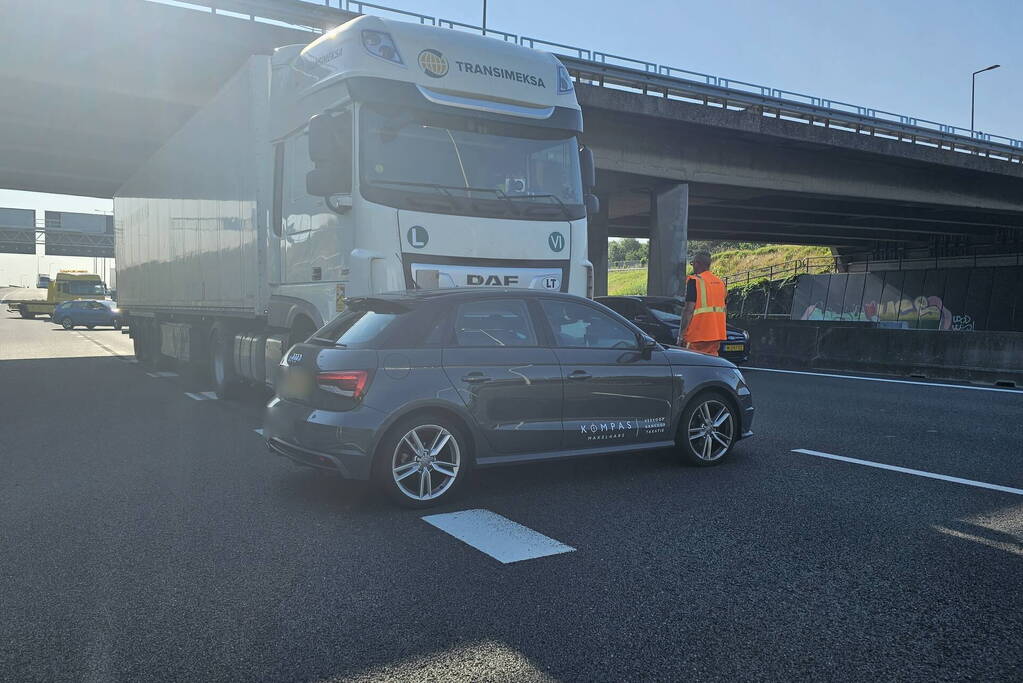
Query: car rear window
[362, 325]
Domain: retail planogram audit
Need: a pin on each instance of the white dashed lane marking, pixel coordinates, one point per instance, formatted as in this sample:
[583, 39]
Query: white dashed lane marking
[258, 431]
[504, 540]
[202, 395]
[162, 374]
[906, 470]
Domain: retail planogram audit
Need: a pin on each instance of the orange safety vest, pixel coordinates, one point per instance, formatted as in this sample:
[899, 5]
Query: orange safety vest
[708, 323]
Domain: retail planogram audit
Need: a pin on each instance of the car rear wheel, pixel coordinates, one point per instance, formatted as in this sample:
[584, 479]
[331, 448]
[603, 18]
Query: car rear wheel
[708, 429]
[67, 324]
[423, 461]
[116, 323]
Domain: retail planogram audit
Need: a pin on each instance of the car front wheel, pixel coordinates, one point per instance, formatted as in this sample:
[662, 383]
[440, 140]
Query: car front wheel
[708, 430]
[423, 461]
[67, 324]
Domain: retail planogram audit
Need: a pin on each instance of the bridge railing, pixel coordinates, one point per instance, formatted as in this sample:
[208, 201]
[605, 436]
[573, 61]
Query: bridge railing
[623, 72]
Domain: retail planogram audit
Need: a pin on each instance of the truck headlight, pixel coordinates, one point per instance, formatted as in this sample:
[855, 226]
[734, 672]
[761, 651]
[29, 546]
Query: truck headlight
[380, 44]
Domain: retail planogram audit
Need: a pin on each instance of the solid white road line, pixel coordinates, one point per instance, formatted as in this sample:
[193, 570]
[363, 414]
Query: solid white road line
[504, 540]
[209, 395]
[197, 397]
[881, 379]
[906, 470]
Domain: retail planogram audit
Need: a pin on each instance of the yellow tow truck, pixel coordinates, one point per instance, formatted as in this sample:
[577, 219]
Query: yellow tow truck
[69, 285]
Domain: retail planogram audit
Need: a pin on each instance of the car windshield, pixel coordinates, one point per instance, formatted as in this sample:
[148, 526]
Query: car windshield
[85, 288]
[455, 164]
[666, 311]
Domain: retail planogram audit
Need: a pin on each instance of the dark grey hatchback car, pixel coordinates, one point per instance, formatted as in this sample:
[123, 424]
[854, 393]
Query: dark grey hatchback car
[413, 389]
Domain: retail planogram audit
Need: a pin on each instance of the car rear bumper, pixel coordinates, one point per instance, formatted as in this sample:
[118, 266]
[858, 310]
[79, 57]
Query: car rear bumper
[341, 442]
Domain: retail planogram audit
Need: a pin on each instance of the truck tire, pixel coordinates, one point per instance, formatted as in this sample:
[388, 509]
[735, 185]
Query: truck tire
[138, 339]
[225, 382]
[25, 313]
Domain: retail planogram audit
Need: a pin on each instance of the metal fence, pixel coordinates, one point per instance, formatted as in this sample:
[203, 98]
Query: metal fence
[621, 72]
[626, 265]
[781, 271]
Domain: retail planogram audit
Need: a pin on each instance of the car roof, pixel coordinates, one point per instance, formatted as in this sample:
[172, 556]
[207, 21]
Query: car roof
[640, 297]
[410, 295]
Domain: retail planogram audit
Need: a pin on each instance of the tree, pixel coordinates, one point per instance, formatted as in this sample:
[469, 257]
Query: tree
[626, 249]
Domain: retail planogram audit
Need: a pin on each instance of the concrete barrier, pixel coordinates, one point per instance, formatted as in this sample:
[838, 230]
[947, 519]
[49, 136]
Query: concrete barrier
[983, 357]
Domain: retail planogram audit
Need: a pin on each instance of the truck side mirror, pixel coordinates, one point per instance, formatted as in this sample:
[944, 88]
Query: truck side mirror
[592, 205]
[328, 179]
[330, 138]
[587, 168]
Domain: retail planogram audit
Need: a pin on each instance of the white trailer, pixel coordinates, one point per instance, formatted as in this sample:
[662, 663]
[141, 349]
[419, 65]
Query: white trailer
[382, 156]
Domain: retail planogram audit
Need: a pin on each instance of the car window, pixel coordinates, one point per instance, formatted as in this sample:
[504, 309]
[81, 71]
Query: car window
[494, 322]
[581, 326]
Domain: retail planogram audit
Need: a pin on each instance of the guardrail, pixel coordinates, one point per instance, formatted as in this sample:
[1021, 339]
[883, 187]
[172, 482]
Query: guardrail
[780, 271]
[626, 265]
[615, 71]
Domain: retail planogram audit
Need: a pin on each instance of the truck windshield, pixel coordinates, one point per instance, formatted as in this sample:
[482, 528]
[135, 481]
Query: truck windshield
[86, 288]
[470, 166]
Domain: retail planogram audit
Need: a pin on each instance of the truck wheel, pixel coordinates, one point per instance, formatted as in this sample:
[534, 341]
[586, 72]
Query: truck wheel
[67, 324]
[138, 341]
[225, 381]
[24, 312]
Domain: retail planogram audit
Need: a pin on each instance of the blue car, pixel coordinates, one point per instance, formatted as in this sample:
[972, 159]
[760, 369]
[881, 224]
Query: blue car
[87, 313]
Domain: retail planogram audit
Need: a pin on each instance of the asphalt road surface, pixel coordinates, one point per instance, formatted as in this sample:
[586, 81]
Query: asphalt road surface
[147, 535]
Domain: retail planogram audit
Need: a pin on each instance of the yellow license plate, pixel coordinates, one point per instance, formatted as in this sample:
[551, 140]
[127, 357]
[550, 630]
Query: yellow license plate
[735, 347]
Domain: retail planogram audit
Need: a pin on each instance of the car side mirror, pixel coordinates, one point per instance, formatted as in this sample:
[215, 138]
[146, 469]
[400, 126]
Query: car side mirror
[647, 346]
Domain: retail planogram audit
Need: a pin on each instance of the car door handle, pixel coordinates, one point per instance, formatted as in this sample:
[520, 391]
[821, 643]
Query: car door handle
[475, 378]
[579, 374]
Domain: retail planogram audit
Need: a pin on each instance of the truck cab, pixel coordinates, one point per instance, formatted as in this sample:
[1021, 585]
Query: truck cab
[69, 285]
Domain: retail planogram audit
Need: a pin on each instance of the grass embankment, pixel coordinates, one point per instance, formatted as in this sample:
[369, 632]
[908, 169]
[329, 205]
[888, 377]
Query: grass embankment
[623, 282]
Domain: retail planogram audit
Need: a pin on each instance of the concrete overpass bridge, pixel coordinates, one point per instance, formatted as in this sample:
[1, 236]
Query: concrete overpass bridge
[100, 84]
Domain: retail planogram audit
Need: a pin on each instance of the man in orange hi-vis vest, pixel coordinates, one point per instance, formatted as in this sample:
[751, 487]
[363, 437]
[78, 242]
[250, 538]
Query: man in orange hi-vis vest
[703, 320]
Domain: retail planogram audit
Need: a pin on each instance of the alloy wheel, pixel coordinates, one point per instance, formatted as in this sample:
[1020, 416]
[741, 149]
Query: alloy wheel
[711, 430]
[426, 462]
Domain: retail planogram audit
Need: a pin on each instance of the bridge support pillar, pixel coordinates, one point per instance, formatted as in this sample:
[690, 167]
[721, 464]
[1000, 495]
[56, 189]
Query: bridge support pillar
[596, 245]
[669, 234]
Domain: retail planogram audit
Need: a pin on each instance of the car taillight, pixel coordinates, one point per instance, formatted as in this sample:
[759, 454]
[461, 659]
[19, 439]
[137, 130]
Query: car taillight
[347, 383]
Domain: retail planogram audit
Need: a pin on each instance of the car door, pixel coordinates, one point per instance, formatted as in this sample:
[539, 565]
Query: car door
[78, 313]
[615, 394]
[94, 313]
[509, 382]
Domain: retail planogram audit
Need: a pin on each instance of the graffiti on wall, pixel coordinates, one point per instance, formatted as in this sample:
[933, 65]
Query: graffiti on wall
[925, 312]
[952, 299]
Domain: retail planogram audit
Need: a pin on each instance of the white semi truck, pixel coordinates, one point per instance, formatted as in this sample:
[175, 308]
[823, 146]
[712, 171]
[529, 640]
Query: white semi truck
[382, 156]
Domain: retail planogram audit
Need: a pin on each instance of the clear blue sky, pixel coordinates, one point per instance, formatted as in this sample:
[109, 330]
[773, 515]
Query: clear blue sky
[908, 56]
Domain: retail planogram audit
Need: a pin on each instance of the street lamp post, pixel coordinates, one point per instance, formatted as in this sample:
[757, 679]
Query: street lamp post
[973, 93]
[484, 17]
